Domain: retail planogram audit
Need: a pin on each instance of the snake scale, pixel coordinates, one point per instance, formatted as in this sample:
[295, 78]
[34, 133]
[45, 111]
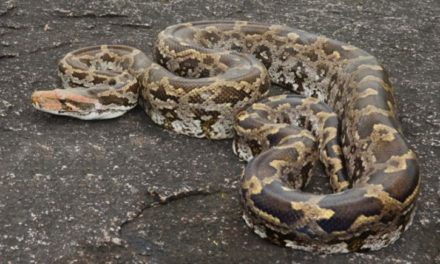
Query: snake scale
[210, 78]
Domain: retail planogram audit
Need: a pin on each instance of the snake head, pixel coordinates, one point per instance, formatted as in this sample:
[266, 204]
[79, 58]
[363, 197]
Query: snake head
[72, 102]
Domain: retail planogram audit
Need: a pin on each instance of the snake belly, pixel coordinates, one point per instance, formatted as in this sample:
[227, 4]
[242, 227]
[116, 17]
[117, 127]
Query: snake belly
[208, 80]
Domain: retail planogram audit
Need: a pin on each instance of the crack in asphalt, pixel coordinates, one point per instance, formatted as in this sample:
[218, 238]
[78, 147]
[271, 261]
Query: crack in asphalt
[115, 242]
[8, 55]
[133, 25]
[163, 199]
[86, 14]
[55, 46]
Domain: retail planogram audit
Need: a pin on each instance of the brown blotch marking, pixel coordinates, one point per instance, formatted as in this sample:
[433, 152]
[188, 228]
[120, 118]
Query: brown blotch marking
[73, 85]
[161, 94]
[236, 47]
[113, 99]
[67, 105]
[207, 123]
[169, 114]
[198, 112]
[79, 75]
[112, 82]
[299, 77]
[263, 54]
[229, 94]
[107, 58]
[255, 146]
[98, 80]
[212, 37]
[208, 60]
[186, 65]
[133, 88]
[194, 98]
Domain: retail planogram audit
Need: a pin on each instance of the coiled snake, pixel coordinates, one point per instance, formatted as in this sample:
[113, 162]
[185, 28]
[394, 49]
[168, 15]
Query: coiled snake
[209, 81]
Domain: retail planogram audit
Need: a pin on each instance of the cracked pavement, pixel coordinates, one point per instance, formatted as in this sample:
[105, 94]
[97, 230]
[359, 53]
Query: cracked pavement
[126, 191]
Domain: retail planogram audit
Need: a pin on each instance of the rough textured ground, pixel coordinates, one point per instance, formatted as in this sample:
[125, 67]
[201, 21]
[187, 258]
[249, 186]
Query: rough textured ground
[125, 191]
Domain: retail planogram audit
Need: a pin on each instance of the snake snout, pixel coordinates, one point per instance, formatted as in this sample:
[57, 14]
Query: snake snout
[46, 100]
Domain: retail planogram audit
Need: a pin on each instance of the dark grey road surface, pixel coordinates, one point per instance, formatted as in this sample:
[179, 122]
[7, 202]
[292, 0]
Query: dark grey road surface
[88, 192]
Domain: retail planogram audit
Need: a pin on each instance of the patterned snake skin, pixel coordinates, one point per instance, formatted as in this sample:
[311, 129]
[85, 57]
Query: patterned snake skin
[209, 79]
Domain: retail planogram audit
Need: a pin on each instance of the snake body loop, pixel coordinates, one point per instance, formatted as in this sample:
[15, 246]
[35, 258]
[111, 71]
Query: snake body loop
[208, 80]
